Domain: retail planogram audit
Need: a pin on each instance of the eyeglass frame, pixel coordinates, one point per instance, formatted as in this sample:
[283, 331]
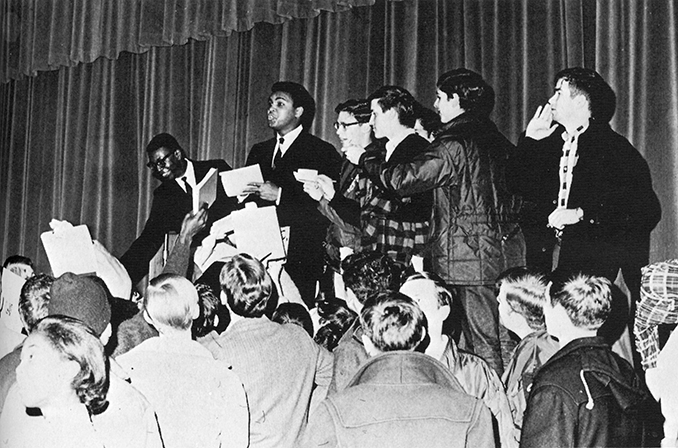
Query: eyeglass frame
[338, 124]
[160, 163]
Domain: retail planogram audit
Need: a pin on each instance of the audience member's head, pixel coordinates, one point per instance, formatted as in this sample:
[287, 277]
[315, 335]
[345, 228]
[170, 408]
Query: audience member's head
[522, 293]
[171, 302]
[33, 300]
[475, 96]
[300, 99]
[392, 99]
[247, 286]
[600, 97]
[392, 321]
[433, 297]
[427, 123]
[19, 265]
[84, 298]
[166, 158]
[294, 313]
[335, 319]
[353, 123]
[367, 273]
[214, 315]
[577, 303]
[62, 360]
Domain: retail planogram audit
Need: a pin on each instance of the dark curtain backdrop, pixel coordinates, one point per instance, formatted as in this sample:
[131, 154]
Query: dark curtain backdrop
[73, 138]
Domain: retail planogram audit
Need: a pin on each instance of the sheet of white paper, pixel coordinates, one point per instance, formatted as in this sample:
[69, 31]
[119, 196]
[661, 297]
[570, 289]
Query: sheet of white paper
[9, 300]
[235, 181]
[305, 175]
[70, 250]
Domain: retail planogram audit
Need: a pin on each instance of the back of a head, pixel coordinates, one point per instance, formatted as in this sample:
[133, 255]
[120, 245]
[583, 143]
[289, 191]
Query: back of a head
[366, 273]
[166, 141]
[398, 98]
[586, 299]
[214, 315]
[475, 95]
[75, 341]
[293, 313]
[360, 109]
[525, 289]
[247, 285]
[300, 98]
[601, 98]
[81, 297]
[34, 298]
[393, 321]
[442, 291]
[171, 301]
[430, 120]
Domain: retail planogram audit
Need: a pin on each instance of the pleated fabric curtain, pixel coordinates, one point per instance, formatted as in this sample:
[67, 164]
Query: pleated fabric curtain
[72, 137]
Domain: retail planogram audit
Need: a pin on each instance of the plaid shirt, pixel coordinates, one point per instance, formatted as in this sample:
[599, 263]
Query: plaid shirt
[382, 231]
[658, 305]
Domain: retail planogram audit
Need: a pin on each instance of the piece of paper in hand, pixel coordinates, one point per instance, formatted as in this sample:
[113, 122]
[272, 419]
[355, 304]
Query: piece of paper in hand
[236, 181]
[206, 190]
[257, 232]
[305, 175]
[70, 250]
[9, 300]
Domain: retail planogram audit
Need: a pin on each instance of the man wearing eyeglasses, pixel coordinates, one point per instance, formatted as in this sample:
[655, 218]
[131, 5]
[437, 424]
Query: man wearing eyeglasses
[172, 200]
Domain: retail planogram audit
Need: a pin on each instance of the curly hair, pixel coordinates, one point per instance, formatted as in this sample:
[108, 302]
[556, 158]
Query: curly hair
[247, 285]
[525, 289]
[366, 273]
[75, 341]
[34, 298]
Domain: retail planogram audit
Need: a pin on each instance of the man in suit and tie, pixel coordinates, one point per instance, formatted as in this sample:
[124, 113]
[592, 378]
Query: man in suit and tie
[290, 114]
[172, 200]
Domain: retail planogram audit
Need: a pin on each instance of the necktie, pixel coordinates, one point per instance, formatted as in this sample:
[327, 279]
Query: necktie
[278, 154]
[189, 190]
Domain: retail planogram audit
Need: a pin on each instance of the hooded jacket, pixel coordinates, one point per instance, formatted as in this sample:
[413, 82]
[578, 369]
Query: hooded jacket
[586, 395]
[474, 235]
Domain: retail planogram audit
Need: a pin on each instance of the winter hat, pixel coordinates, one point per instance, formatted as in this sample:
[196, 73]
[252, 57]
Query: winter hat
[81, 297]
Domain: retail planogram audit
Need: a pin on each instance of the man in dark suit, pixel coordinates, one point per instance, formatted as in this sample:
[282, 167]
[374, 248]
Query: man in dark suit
[290, 114]
[172, 200]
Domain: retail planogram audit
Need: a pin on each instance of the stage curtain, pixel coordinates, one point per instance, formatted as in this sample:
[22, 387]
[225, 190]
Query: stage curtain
[45, 35]
[73, 138]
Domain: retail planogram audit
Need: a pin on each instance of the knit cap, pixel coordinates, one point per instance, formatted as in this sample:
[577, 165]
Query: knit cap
[81, 297]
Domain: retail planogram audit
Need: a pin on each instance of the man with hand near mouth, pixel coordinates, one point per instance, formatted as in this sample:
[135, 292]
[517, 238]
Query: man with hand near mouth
[290, 114]
[172, 200]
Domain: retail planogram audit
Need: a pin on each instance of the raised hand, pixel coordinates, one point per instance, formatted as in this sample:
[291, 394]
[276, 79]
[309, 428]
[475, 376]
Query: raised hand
[540, 126]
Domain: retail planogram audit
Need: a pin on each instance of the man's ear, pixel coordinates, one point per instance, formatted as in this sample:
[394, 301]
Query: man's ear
[444, 311]
[370, 348]
[298, 112]
[178, 154]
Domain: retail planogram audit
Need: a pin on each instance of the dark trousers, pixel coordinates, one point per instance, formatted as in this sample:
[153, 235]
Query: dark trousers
[490, 340]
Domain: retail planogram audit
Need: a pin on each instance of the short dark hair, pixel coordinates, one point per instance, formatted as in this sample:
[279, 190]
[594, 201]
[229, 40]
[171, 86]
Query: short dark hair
[393, 321]
[475, 95]
[300, 98]
[211, 308]
[360, 109]
[293, 313]
[166, 141]
[586, 299]
[18, 259]
[336, 318]
[600, 96]
[398, 98]
[366, 273]
[247, 285]
[34, 298]
[525, 293]
[430, 120]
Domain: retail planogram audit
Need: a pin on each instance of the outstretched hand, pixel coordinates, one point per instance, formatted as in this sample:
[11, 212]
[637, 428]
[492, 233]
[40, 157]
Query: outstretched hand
[192, 224]
[540, 126]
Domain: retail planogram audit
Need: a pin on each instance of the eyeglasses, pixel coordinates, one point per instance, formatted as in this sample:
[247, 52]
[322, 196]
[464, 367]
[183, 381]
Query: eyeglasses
[160, 163]
[338, 124]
